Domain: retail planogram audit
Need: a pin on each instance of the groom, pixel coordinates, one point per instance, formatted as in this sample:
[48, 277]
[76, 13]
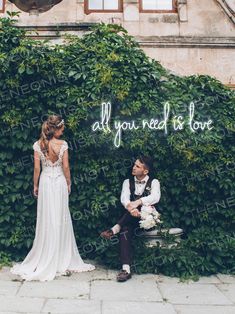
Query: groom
[140, 189]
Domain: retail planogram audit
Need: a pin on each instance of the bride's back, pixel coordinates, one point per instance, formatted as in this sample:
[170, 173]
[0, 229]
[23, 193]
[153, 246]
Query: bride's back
[54, 147]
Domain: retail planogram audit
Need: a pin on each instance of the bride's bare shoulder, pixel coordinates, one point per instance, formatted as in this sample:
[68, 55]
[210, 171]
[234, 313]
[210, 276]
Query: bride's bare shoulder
[61, 142]
[58, 141]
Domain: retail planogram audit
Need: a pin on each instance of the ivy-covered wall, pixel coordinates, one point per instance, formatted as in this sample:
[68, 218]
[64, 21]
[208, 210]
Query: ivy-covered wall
[196, 169]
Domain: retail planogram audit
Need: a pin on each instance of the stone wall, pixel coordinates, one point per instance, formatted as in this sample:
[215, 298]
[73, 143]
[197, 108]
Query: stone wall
[199, 38]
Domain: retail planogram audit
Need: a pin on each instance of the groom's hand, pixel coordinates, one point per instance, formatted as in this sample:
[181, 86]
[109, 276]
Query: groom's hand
[135, 213]
[129, 207]
[133, 205]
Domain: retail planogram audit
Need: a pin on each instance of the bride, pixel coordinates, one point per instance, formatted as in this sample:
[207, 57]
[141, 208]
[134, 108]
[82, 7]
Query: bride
[54, 251]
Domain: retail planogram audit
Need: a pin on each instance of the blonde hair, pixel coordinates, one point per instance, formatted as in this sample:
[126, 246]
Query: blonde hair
[49, 127]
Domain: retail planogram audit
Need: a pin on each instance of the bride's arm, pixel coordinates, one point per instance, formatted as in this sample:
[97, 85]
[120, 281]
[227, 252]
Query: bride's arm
[36, 173]
[66, 169]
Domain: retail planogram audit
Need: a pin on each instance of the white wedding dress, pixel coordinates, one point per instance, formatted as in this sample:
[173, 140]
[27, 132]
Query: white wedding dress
[54, 249]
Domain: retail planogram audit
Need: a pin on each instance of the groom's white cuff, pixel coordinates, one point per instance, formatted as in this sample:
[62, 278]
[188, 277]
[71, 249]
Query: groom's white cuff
[116, 229]
[125, 204]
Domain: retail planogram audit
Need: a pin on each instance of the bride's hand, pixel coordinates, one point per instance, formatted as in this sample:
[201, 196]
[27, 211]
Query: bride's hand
[69, 188]
[35, 191]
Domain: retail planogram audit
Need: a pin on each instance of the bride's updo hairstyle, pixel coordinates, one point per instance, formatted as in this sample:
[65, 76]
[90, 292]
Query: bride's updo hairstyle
[49, 127]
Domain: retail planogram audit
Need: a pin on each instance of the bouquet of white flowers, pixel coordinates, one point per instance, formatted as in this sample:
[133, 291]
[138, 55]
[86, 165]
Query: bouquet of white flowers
[149, 217]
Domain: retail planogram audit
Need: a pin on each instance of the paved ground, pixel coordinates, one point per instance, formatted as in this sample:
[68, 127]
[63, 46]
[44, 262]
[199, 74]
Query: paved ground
[97, 292]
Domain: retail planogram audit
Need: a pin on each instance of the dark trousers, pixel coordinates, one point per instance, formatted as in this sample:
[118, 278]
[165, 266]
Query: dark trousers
[129, 227]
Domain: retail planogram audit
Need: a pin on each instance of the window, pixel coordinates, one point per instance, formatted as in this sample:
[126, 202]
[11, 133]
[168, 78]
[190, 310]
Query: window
[157, 5]
[2, 6]
[103, 6]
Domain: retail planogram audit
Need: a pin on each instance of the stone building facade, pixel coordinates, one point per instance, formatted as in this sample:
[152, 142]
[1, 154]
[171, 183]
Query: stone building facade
[186, 36]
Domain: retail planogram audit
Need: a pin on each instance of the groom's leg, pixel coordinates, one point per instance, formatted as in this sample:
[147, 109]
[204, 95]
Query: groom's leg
[126, 219]
[126, 235]
[126, 251]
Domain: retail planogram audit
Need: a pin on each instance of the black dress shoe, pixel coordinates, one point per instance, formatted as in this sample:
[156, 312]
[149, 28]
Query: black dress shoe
[123, 276]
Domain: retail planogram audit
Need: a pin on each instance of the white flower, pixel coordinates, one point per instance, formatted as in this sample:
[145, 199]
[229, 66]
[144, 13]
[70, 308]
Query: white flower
[147, 209]
[149, 217]
[147, 223]
[144, 215]
[156, 214]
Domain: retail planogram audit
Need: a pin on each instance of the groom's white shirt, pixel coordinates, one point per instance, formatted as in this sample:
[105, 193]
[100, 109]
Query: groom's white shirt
[151, 199]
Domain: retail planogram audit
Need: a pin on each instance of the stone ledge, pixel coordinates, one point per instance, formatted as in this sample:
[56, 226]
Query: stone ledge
[232, 86]
[56, 31]
[58, 27]
[187, 42]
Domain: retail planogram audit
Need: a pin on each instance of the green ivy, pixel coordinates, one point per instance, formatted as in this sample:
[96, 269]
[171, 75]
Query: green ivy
[196, 170]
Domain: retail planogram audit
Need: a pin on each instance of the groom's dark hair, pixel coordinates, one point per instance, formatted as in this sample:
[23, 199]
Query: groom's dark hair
[147, 161]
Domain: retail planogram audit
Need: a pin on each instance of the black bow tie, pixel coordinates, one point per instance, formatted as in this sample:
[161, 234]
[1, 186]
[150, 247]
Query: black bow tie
[140, 182]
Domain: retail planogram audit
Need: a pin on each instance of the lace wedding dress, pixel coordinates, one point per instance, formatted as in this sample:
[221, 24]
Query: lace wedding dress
[54, 249]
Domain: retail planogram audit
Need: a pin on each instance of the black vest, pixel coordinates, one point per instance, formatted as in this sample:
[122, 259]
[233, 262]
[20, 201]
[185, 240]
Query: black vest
[147, 190]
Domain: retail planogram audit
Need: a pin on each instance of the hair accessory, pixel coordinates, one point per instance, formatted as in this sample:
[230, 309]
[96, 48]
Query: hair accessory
[61, 122]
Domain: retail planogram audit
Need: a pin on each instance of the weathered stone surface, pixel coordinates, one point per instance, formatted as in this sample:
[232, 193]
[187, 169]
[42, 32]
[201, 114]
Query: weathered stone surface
[72, 306]
[204, 309]
[228, 290]
[131, 290]
[98, 292]
[184, 293]
[111, 307]
[20, 304]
